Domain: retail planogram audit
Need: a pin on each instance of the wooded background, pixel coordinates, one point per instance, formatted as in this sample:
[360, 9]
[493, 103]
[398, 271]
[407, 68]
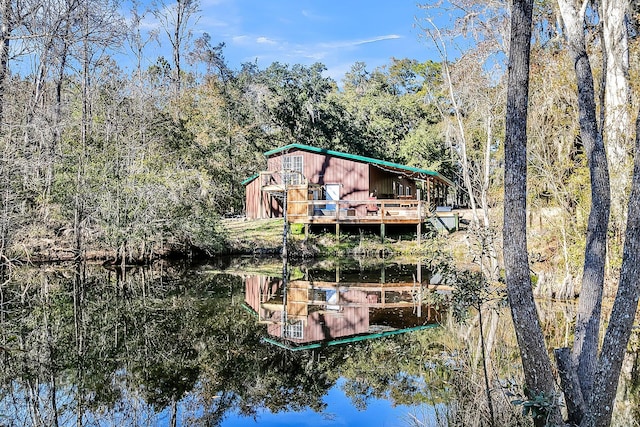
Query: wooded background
[98, 158]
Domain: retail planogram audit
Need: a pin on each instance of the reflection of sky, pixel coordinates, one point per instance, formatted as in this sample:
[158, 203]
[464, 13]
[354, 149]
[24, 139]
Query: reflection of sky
[339, 412]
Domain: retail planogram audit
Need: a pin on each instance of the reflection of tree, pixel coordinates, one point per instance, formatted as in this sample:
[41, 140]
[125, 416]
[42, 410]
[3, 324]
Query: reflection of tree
[242, 374]
[123, 347]
[419, 373]
[137, 343]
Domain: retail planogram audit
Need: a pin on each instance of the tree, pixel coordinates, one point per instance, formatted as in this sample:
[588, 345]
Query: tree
[557, 170]
[175, 19]
[387, 108]
[617, 122]
[471, 105]
[12, 17]
[536, 363]
[294, 97]
[588, 379]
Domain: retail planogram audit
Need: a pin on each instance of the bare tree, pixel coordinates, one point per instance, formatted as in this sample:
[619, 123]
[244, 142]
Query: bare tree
[590, 306]
[175, 19]
[12, 15]
[6, 27]
[472, 106]
[617, 124]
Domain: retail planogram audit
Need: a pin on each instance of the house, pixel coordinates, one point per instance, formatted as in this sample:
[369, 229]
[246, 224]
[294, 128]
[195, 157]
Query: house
[308, 314]
[316, 186]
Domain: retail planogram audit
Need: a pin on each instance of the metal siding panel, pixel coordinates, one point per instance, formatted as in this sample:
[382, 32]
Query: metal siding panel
[252, 207]
[274, 163]
[353, 176]
[332, 325]
[322, 169]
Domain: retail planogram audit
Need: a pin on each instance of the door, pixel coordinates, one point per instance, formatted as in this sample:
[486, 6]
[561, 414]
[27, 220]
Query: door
[332, 192]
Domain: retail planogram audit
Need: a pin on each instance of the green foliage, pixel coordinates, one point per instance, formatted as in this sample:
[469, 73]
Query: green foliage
[146, 338]
[470, 291]
[297, 228]
[538, 407]
[426, 148]
[145, 170]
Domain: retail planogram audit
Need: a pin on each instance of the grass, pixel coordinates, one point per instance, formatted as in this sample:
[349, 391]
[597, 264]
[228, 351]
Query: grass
[247, 237]
[265, 236]
[263, 230]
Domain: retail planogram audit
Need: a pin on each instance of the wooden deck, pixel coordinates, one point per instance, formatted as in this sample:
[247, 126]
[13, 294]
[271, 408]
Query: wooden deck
[374, 212]
[305, 297]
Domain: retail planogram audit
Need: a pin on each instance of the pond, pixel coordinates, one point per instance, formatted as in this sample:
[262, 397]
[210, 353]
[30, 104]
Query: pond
[230, 344]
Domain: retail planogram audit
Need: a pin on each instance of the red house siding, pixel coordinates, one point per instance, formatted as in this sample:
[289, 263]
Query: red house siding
[353, 177]
[253, 199]
[328, 324]
[386, 184]
[259, 204]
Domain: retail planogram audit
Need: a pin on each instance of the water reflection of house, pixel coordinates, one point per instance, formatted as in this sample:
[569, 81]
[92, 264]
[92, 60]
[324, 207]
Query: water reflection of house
[318, 311]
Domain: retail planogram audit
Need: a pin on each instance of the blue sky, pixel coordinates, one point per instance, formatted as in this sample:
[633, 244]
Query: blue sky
[336, 33]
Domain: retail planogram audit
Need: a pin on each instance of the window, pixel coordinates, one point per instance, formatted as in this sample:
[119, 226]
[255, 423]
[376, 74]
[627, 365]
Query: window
[400, 190]
[407, 191]
[292, 170]
[293, 330]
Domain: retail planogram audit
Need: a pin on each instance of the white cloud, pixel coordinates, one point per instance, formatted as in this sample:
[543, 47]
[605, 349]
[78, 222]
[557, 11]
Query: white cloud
[313, 16]
[352, 43]
[208, 21]
[240, 39]
[337, 71]
[265, 40]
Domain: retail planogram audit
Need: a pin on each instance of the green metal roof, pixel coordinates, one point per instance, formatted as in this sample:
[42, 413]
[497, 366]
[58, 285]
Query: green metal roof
[345, 340]
[348, 340]
[357, 158]
[251, 178]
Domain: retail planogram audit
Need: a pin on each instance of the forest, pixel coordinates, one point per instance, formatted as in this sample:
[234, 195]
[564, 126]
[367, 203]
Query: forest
[139, 161]
[530, 108]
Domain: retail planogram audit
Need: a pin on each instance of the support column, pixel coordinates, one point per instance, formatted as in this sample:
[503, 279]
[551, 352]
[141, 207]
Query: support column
[382, 232]
[338, 231]
[261, 207]
[420, 288]
[306, 230]
[419, 228]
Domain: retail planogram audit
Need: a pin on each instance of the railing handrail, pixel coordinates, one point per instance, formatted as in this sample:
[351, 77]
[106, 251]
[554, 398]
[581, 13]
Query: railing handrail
[360, 202]
[408, 208]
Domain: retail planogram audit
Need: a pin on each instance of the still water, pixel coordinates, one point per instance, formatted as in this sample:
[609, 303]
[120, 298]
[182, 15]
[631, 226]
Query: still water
[225, 344]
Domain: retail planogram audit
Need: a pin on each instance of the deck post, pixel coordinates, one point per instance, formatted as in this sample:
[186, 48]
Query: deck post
[419, 228]
[382, 232]
[419, 279]
[338, 232]
[306, 230]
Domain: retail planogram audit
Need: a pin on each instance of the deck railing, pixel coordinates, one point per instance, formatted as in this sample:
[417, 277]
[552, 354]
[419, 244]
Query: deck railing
[339, 210]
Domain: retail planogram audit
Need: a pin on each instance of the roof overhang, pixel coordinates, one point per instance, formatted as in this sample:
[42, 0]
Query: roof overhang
[407, 171]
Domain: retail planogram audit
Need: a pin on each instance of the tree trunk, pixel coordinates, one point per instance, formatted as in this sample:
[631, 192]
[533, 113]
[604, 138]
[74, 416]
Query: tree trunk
[5, 34]
[623, 313]
[586, 339]
[617, 95]
[535, 359]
